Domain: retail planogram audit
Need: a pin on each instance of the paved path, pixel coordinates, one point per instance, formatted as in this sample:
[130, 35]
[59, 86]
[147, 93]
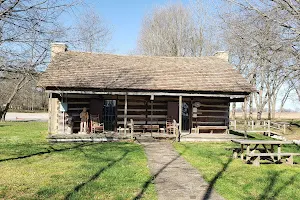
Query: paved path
[174, 177]
[14, 116]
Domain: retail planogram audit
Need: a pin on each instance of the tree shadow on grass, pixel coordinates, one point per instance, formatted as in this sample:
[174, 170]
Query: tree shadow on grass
[295, 124]
[270, 192]
[241, 134]
[51, 149]
[3, 125]
[216, 177]
[96, 175]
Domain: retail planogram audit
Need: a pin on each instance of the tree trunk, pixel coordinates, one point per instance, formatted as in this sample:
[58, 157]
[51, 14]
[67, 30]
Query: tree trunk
[269, 106]
[274, 107]
[233, 110]
[259, 113]
[298, 93]
[251, 107]
[19, 85]
[260, 103]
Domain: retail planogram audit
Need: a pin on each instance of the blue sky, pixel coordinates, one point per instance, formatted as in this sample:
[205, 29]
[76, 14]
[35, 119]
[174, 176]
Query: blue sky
[125, 18]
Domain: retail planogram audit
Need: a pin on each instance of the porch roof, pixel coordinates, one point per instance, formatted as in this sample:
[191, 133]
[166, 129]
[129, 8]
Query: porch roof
[117, 72]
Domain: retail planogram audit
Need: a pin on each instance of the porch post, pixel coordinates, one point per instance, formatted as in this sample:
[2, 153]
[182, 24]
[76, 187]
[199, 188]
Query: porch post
[50, 113]
[245, 117]
[180, 117]
[151, 99]
[125, 114]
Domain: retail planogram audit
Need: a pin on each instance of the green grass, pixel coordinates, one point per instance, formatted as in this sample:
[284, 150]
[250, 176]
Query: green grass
[32, 168]
[234, 179]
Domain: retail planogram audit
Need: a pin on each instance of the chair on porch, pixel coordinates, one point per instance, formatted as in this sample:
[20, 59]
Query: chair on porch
[96, 126]
[170, 126]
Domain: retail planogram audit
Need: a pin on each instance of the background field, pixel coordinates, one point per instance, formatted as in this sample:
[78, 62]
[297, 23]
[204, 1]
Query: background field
[278, 116]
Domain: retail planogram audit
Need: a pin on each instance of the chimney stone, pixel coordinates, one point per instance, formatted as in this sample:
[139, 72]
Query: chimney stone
[223, 55]
[58, 48]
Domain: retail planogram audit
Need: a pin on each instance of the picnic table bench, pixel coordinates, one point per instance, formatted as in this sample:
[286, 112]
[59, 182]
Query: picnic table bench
[289, 157]
[254, 154]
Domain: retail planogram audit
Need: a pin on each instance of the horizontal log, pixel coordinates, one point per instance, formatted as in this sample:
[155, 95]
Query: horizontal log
[211, 115]
[86, 105]
[214, 105]
[144, 122]
[212, 111]
[144, 116]
[78, 108]
[82, 96]
[209, 120]
[210, 123]
[143, 112]
[143, 107]
[142, 119]
[78, 102]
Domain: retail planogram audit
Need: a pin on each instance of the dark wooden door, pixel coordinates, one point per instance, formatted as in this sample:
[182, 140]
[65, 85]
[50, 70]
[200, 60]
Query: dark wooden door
[96, 107]
[173, 110]
[109, 114]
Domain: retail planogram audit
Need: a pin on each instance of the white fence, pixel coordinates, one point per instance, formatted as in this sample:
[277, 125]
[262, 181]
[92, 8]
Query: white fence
[260, 126]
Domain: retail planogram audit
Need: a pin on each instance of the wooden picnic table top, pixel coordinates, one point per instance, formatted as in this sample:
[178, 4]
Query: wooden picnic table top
[261, 142]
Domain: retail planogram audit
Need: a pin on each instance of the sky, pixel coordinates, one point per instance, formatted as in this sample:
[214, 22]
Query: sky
[125, 17]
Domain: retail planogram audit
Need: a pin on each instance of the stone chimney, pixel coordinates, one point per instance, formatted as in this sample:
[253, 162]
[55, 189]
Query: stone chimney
[223, 55]
[58, 48]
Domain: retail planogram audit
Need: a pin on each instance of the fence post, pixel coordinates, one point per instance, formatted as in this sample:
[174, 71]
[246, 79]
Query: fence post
[252, 125]
[131, 129]
[269, 128]
[234, 124]
[264, 124]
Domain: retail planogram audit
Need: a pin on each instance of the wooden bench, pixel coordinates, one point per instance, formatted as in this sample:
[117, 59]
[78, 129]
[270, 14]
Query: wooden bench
[212, 128]
[146, 127]
[256, 157]
[237, 150]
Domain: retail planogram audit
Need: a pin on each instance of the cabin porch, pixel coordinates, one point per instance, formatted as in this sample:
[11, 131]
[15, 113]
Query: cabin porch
[192, 113]
[111, 136]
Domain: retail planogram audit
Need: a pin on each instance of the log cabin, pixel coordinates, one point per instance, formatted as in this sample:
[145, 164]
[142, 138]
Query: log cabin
[194, 91]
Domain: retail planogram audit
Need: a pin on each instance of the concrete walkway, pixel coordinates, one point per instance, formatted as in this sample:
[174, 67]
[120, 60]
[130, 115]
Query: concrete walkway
[174, 178]
[14, 116]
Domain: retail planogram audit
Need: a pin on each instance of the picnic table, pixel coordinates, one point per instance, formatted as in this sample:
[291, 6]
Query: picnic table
[261, 148]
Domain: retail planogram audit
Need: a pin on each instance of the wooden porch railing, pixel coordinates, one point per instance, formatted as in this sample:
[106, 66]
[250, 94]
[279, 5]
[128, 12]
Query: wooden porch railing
[256, 126]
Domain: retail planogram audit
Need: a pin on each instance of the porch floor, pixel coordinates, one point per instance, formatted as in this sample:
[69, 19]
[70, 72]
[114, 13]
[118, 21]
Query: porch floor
[110, 136]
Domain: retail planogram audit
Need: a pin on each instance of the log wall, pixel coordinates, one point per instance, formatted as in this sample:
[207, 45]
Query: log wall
[210, 111]
[139, 109]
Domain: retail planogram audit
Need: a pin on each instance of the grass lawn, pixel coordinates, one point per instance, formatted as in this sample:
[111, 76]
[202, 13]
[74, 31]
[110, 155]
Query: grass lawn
[32, 168]
[235, 180]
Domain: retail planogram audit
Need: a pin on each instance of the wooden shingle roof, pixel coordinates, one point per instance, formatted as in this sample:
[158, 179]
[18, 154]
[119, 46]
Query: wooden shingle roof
[105, 71]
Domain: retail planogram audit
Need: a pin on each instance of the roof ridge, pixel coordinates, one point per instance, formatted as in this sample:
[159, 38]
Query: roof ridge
[144, 56]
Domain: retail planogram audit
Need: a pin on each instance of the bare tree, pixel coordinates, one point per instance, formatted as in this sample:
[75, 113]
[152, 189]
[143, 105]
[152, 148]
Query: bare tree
[92, 33]
[210, 25]
[26, 29]
[285, 14]
[170, 31]
[259, 50]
